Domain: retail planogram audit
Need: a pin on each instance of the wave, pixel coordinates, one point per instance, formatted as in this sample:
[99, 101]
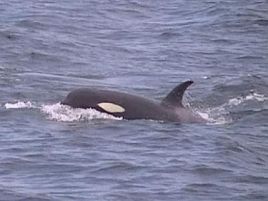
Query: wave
[222, 114]
[18, 105]
[65, 113]
[62, 113]
[252, 96]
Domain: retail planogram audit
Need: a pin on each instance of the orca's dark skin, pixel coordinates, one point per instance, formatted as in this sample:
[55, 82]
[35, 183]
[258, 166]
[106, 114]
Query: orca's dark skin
[130, 106]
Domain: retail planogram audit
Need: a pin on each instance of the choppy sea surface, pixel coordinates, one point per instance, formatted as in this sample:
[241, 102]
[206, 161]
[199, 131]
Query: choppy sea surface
[52, 152]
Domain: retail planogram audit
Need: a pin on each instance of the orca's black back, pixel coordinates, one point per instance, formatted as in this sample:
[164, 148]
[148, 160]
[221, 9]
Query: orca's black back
[135, 107]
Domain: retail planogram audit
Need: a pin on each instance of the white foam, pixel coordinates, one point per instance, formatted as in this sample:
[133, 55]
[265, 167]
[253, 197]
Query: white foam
[235, 101]
[256, 96]
[19, 105]
[221, 114]
[65, 113]
[213, 116]
[252, 96]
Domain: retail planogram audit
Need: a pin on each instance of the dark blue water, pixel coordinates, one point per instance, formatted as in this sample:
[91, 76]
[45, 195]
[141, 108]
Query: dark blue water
[52, 152]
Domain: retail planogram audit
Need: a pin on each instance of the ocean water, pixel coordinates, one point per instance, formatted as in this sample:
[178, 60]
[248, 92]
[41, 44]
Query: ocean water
[53, 152]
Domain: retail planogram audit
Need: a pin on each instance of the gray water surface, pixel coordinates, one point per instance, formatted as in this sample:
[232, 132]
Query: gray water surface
[50, 152]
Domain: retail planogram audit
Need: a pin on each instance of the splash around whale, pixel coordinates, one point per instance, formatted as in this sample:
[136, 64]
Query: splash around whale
[130, 106]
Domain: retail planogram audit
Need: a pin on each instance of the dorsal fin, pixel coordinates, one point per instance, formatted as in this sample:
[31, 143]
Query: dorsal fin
[174, 98]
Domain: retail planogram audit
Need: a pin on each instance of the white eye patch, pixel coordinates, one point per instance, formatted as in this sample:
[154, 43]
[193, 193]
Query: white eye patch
[111, 107]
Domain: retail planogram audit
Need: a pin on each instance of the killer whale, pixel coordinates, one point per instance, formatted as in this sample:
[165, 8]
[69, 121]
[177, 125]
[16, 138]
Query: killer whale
[128, 106]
